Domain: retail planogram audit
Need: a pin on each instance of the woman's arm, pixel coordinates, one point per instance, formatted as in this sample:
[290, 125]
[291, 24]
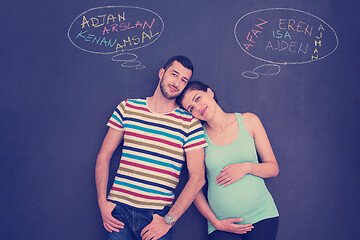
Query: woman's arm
[227, 225]
[268, 166]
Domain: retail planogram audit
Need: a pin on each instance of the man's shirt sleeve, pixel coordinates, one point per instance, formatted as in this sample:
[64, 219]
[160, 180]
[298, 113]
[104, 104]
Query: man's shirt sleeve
[196, 136]
[116, 119]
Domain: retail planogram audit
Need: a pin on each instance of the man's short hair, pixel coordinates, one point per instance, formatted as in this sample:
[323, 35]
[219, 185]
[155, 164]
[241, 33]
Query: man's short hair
[185, 61]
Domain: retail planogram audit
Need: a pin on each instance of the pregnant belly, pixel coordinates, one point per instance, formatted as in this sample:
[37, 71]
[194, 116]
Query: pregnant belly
[239, 199]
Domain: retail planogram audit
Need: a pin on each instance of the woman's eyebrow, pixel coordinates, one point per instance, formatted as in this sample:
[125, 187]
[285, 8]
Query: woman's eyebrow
[187, 109]
[191, 101]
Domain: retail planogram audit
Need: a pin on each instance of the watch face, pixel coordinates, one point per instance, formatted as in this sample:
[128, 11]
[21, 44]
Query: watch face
[169, 219]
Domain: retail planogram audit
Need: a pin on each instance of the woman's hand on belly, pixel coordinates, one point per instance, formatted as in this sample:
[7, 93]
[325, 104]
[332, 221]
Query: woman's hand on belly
[232, 173]
[229, 225]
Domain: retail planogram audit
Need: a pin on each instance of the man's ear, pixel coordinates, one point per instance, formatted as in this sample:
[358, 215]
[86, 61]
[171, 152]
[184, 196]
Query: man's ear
[161, 73]
[209, 91]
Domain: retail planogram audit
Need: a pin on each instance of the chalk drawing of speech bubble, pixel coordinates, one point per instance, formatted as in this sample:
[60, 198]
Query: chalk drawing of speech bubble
[115, 29]
[285, 36]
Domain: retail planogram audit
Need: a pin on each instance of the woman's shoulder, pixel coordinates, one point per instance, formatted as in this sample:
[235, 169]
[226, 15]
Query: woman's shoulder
[251, 121]
[250, 117]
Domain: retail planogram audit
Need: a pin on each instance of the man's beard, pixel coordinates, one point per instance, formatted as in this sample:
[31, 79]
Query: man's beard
[165, 93]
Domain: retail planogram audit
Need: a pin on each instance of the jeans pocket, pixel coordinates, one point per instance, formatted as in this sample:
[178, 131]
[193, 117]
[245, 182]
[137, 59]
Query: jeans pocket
[151, 214]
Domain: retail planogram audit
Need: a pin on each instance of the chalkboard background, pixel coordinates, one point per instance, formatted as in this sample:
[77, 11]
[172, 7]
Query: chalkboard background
[56, 98]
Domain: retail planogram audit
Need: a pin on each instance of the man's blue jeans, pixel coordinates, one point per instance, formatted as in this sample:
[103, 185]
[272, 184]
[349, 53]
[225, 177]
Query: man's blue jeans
[135, 221]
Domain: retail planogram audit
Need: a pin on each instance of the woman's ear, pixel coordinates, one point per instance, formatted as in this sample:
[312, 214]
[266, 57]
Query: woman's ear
[209, 91]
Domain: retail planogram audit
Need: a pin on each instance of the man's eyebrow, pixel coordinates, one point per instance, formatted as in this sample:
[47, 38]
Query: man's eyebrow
[186, 78]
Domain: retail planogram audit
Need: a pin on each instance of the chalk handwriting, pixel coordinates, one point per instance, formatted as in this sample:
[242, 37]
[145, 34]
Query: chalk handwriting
[266, 69]
[100, 20]
[284, 36]
[254, 33]
[116, 30]
[317, 43]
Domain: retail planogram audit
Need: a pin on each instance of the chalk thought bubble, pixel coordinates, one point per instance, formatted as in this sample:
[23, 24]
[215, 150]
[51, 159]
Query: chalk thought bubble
[285, 36]
[115, 29]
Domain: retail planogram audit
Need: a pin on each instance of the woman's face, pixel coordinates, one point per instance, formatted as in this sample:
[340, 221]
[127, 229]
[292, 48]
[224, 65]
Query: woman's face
[199, 103]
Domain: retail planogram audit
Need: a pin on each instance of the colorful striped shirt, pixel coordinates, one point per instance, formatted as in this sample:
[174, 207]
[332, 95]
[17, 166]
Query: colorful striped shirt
[152, 154]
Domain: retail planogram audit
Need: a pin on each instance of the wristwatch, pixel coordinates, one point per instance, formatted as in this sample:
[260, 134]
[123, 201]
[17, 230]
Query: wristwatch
[169, 220]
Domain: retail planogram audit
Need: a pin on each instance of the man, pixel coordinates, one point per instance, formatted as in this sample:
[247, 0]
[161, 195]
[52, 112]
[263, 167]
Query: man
[156, 134]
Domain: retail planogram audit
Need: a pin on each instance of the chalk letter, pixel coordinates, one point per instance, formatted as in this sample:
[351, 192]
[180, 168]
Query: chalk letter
[121, 17]
[111, 45]
[136, 40]
[291, 25]
[118, 46]
[145, 23]
[318, 37]
[255, 32]
[269, 45]
[97, 21]
[154, 34]
[122, 26]
[85, 21]
[282, 21]
[81, 34]
[282, 45]
[143, 36]
[110, 17]
[103, 18]
[307, 30]
[300, 50]
[247, 45]
[287, 35]
[314, 57]
[299, 26]
[96, 40]
[278, 45]
[250, 40]
[94, 24]
[316, 51]
[318, 43]
[292, 44]
[128, 26]
[106, 30]
[279, 34]
[88, 38]
[104, 41]
[129, 41]
[263, 22]
[138, 24]
[114, 27]
[321, 28]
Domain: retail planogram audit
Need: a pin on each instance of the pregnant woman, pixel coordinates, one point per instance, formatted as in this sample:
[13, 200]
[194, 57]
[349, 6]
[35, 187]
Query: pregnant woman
[239, 205]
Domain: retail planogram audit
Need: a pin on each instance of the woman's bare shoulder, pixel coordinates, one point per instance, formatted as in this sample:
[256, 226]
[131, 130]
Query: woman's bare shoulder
[250, 118]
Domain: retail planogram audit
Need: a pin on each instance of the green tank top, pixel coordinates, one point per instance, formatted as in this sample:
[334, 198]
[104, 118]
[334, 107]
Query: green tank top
[248, 197]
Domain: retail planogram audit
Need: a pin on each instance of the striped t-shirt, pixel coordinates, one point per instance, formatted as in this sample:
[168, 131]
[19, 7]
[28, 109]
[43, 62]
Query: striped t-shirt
[152, 154]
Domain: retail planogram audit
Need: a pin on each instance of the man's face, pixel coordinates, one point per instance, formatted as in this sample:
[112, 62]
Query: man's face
[174, 80]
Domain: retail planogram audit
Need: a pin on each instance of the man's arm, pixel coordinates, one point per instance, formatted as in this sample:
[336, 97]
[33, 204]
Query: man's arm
[195, 163]
[111, 141]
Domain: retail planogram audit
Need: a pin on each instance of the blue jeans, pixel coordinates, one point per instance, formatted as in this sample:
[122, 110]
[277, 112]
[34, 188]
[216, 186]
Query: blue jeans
[135, 221]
